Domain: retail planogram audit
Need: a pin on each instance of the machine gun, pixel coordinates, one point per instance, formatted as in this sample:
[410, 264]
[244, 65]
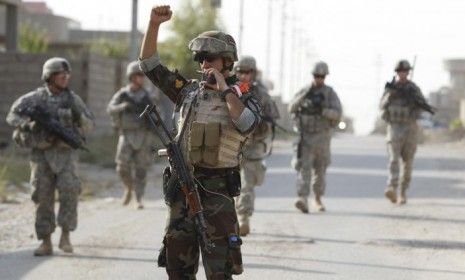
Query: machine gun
[45, 120]
[180, 169]
[409, 92]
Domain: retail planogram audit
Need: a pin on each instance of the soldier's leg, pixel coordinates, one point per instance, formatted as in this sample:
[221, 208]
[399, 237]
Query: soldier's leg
[142, 160]
[246, 200]
[394, 148]
[321, 163]
[69, 188]
[225, 258]
[407, 155]
[304, 178]
[43, 181]
[181, 244]
[124, 168]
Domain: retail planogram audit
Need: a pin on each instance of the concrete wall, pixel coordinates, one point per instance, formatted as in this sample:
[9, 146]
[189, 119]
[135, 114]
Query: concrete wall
[94, 78]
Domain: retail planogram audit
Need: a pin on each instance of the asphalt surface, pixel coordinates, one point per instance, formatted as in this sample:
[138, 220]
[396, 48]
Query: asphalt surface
[361, 236]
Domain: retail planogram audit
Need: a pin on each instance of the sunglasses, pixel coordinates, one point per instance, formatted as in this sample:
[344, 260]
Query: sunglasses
[207, 57]
[246, 72]
[319, 76]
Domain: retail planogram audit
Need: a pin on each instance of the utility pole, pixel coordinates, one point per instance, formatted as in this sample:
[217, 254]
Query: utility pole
[133, 43]
[268, 39]
[283, 35]
[241, 25]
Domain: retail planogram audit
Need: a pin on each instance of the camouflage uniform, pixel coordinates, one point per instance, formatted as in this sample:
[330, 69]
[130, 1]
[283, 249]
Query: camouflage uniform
[133, 154]
[256, 149]
[315, 125]
[214, 164]
[401, 114]
[53, 163]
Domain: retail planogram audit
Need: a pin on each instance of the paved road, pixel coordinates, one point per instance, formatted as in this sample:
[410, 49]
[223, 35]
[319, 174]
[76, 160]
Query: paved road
[361, 236]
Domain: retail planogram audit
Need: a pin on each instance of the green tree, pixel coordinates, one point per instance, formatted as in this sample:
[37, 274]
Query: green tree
[193, 18]
[32, 40]
[110, 48]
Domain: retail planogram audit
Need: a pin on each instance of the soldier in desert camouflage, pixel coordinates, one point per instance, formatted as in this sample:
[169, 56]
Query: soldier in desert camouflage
[53, 162]
[316, 110]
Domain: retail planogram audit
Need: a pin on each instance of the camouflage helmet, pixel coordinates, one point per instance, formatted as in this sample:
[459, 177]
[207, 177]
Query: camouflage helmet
[320, 68]
[133, 68]
[55, 65]
[246, 63]
[214, 42]
[403, 65]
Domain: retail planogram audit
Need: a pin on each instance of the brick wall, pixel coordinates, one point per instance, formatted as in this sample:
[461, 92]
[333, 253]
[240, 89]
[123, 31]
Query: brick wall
[94, 78]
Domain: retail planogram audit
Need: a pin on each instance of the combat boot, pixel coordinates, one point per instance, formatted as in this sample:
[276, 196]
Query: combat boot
[139, 205]
[244, 225]
[402, 198]
[46, 248]
[318, 204]
[127, 195]
[302, 204]
[390, 194]
[65, 244]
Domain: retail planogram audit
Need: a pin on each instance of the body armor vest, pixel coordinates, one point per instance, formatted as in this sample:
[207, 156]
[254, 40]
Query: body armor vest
[210, 138]
[400, 110]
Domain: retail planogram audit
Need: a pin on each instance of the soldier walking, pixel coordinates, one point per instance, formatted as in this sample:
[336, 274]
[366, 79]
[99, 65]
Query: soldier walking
[401, 105]
[217, 114]
[316, 110]
[133, 154]
[257, 146]
[53, 161]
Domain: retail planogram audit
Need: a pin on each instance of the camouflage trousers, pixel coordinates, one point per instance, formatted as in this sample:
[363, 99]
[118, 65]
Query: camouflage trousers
[48, 176]
[401, 146]
[181, 240]
[252, 175]
[132, 165]
[315, 159]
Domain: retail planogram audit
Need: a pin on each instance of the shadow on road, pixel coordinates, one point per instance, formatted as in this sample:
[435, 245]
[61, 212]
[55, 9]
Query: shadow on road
[421, 244]
[15, 265]
[404, 217]
[94, 246]
[282, 267]
[302, 238]
[380, 266]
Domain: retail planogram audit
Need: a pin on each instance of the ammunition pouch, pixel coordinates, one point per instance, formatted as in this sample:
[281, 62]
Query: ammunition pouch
[27, 139]
[399, 114]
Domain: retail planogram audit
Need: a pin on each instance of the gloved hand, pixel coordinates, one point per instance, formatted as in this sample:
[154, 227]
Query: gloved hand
[30, 126]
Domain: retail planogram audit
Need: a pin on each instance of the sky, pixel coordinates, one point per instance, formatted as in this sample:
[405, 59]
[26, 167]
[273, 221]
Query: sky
[361, 40]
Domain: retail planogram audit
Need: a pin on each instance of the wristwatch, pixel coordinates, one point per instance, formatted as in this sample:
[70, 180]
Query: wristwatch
[226, 92]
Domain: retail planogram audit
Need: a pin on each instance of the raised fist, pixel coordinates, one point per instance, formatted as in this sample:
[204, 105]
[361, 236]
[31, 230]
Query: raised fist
[160, 14]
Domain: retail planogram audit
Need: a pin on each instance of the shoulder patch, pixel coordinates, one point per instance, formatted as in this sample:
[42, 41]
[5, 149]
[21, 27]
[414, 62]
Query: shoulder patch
[178, 84]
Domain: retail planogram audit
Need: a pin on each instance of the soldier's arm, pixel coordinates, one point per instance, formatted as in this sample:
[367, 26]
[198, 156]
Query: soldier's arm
[334, 110]
[115, 106]
[14, 118]
[85, 116]
[385, 99]
[418, 93]
[296, 102]
[248, 118]
[171, 83]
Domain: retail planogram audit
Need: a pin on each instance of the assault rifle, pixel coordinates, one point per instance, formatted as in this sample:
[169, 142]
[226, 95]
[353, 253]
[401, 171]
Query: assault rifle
[137, 107]
[409, 92]
[180, 169]
[45, 120]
